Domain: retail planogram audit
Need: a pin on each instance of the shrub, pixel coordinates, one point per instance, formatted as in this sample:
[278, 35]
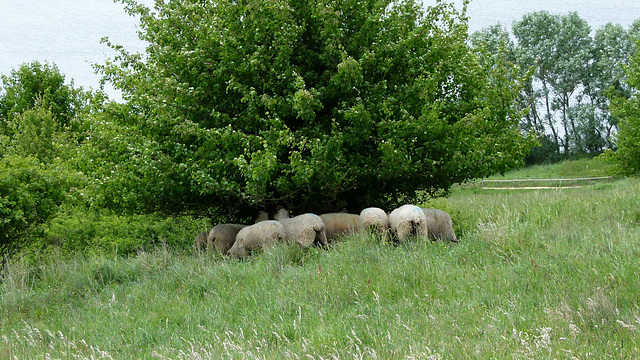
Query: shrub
[96, 231]
[30, 195]
[627, 157]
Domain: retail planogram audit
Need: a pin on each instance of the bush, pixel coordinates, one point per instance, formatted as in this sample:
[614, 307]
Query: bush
[35, 83]
[627, 157]
[546, 152]
[30, 195]
[97, 231]
[36, 133]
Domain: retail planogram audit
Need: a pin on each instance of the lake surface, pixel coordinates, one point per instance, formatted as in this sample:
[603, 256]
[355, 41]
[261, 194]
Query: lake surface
[65, 32]
[68, 32]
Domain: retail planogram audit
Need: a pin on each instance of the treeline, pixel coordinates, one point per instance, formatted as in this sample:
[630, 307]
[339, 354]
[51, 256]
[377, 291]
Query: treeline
[571, 73]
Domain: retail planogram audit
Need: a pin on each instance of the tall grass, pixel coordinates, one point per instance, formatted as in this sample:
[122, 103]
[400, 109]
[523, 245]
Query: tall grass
[538, 274]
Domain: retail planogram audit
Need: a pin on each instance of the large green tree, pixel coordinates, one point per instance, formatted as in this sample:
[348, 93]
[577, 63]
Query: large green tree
[536, 35]
[315, 105]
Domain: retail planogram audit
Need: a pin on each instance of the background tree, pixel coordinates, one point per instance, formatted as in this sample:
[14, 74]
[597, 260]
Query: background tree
[569, 62]
[536, 35]
[40, 84]
[312, 105]
[611, 50]
[574, 73]
[37, 142]
[627, 110]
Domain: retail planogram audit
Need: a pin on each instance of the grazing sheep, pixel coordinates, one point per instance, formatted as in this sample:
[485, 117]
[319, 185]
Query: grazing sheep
[374, 219]
[339, 224]
[439, 225]
[200, 243]
[408, 220]
[222, 236]
[306, 230]
[260, 236]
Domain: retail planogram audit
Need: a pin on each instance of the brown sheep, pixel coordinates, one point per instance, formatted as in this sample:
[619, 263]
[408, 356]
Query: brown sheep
[439, 225]
[222, 236]
[258, 237]
[340, 224]
[200, 243]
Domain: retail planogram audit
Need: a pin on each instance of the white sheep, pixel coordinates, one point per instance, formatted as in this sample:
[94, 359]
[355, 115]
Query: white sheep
[305, 230]
[340, 224]
[374, 219]
[440, 225]
[223, 236]
[408, 220]
[258, 237]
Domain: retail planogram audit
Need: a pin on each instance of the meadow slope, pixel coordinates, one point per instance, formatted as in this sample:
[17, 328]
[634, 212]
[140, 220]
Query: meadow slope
[538, 274]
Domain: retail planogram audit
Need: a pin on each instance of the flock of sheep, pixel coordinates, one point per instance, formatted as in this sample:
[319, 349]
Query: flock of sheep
[306, 230]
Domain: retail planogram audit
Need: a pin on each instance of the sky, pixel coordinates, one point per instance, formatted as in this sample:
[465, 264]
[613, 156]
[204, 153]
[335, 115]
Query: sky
[597, 13]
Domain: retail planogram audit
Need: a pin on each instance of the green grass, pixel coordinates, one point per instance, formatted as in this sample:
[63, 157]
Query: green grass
[587, 167]
[538, 274]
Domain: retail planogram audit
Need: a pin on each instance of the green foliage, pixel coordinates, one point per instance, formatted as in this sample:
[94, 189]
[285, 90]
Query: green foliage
[35, 132]
[93, 231]
[39, 133]
[315, 106]
[35, 83]
[627, 157]
[30, 194]
[574, 75]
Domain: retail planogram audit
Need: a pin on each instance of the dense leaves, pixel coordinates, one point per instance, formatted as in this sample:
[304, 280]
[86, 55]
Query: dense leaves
[36, 83]
[30, 194]
[314, 105]
[628, 110]
[38, 134]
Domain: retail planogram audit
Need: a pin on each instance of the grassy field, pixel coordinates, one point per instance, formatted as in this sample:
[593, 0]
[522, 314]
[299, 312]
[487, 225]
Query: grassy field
[587, 167]
[539, 274]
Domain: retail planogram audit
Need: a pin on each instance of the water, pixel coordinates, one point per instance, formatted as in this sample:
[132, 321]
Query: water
[68, 32]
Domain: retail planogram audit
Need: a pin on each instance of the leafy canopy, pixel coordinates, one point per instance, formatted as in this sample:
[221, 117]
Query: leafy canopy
[37, 113]
[314, 105]
[30, 195]
[627, 110]
[38, 84]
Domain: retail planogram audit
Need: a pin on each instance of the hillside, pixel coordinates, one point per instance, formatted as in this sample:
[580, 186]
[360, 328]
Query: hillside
[537, 274]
